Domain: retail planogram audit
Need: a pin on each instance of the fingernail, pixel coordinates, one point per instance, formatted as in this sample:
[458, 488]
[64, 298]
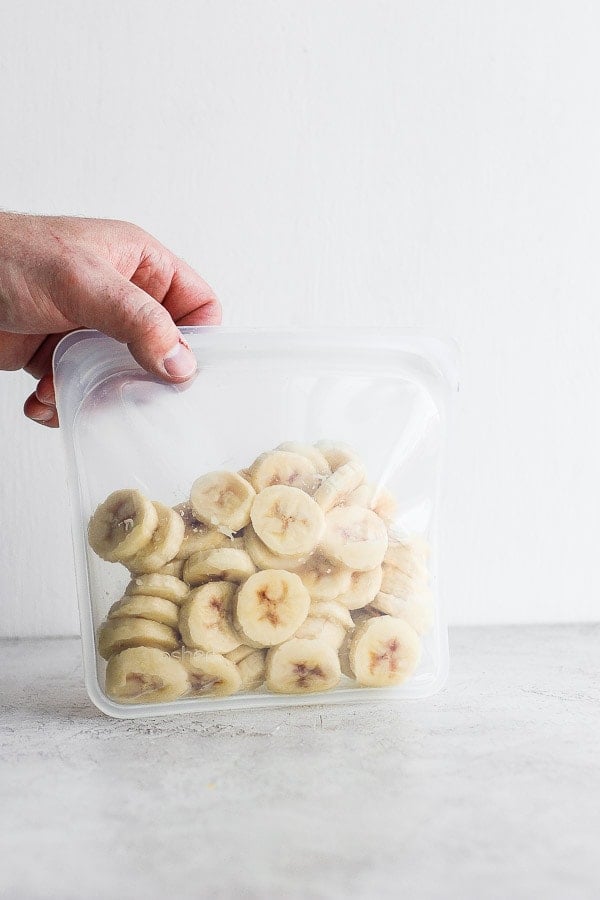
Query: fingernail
[180, 362]
[43, 415]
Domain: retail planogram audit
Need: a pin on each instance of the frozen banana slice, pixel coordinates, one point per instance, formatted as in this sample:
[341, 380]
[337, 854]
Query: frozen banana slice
[197, 535]
[384, 651]
[118, 634]
[173, 568]
[264, 558]
[339, 485]
[310, 452]
[139, 606]
[156, 585]
[225, 564]
[122, 525]
[222, 499]
[252, 669]
[162, 546]
[379, 499]
[337, 453]
[145, 675]
[398, 583]
[205, 618]
[287, 520]
[332, 611]
[356, 537]
[362, 589]
[322, 629]
[270, 606]
[210, 674]
[417, 610]
[324, 577]
[302, 666]
[410, 555]
[282, 467]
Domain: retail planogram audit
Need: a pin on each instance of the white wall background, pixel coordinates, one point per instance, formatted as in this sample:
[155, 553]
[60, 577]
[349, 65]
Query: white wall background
[431, 163]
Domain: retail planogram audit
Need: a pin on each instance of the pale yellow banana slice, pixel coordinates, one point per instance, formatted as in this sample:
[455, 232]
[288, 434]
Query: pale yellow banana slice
[210, 674]
[198, 536]
[362, 589]
[332, 611]
[379, 499]
[118, 634]
[398, 583]
[253, 669]
[264, 558]
[417, 610]
[302, 666]
[384, 651]
[224, 564]
[361, 496]
[339, 485]
[157, 585]
[337, 453]
[322, 629]
[324, 577]
[356, 537]
[205, 618]
[222, 499]
[145, 675]
[122, 525]
[270, 606]
[282, 467]
[410, 555]
[173, 568]
[287, 520]
[162, 546]
[310, 452]
[141, 607]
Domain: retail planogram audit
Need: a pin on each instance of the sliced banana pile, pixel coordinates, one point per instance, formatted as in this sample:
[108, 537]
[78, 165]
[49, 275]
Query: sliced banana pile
[285, 575]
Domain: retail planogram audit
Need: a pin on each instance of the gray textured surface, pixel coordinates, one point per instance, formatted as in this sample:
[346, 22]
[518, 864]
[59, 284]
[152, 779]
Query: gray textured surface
[490, 790]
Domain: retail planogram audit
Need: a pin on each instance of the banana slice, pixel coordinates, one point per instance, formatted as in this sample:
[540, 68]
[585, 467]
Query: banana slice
[417, 611]
[270, 606]
[332, 611]
[240, 653]
[264, 558]
[173, 568]
[324, 628]
[362, 589]
[337, 453]
[384, 651]
[141, 607]
[252, 669]
[205, 618]
[398, 583]
[379, 499]
[339, 485]
[356, 537]
[156, 585]
[210, 674]
[361, 496]
[287, 520]
[225, 564]
[410, 555]
[162, 546]
[302, 666]
[282, 467]
[197, 535]
[222, 499]
[145, 675]
[122, 525]
[324, 577]
[118, 634]
[310, 452]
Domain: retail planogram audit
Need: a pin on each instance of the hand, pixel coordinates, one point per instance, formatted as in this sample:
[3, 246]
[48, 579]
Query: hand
[59, 274]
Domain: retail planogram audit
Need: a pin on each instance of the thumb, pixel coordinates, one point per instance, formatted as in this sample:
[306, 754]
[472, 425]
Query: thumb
[99, 297]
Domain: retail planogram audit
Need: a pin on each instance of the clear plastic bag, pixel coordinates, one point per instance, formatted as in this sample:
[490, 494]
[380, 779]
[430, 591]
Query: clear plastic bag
[385, 393]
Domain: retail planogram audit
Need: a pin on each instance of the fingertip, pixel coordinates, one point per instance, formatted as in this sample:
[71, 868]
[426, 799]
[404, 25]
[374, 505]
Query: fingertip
[180, 363]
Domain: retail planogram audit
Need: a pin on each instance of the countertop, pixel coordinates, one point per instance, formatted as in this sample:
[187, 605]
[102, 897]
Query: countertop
[491, 789]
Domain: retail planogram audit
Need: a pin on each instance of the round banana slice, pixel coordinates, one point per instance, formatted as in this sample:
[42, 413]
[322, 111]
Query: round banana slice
[379, 499]
[173, 568]
[363, 588]
[302, 666]
[252, 669]
[398, 583]
[339, 485]
[264, 558]
[270, 606]
[205, 618]
[145, 675]
[417, 611]
[210, 674]
[156, 585]
[410, 556]
[356, 537]
[332, 611]
[384, 651]
[225, 564]
[282, 467]
[361, 496]
[222, 499]
[155, 608]
[322, 629]
[337, 453]
[324, 577]
[122, 525]
[287, 520]
[162, 546]
[310, 452]
[118, 634]
[197, 535]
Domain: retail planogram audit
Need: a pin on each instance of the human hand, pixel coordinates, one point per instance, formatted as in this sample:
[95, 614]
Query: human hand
[58, 274]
